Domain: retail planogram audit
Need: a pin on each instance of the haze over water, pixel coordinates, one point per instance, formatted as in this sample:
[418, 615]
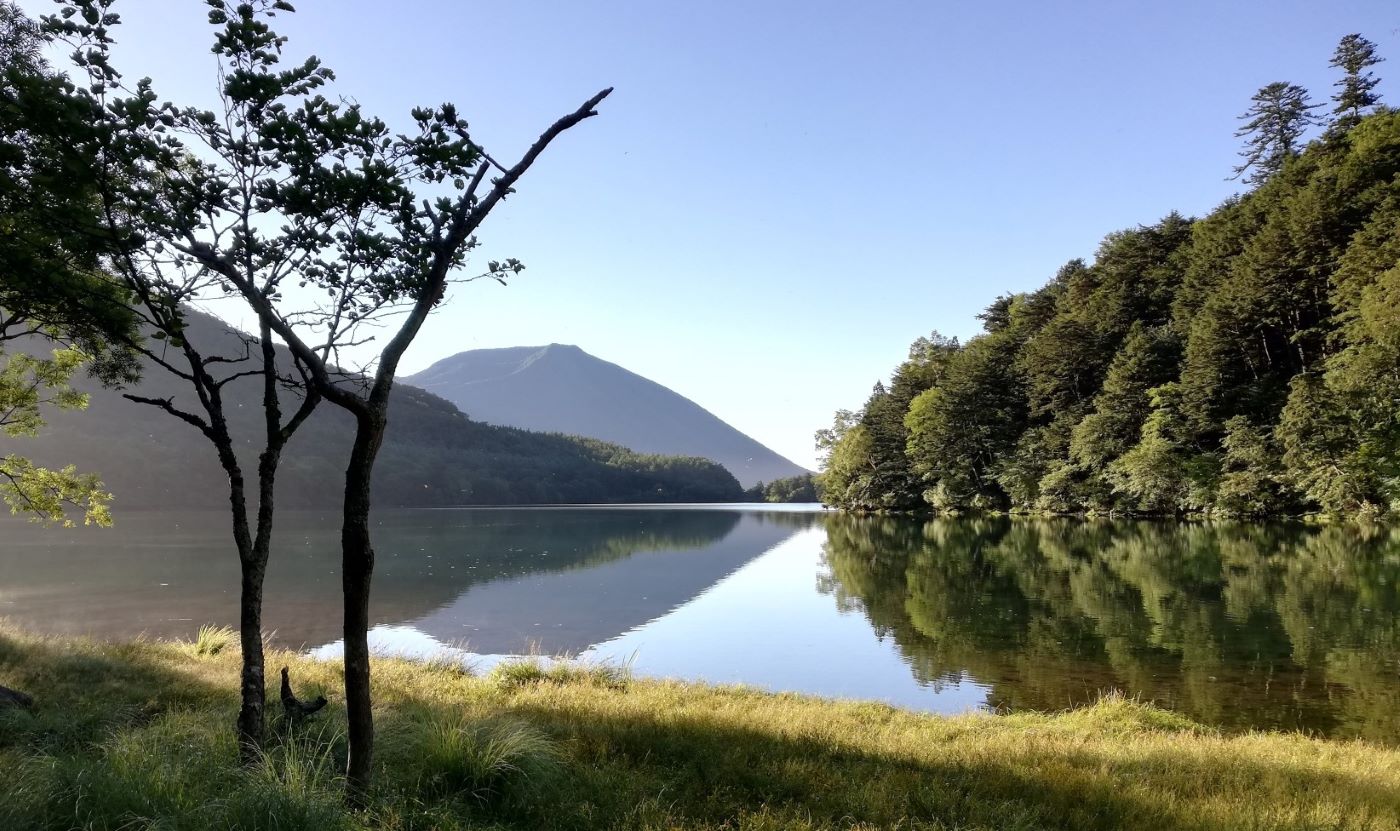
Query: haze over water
[1242, 626]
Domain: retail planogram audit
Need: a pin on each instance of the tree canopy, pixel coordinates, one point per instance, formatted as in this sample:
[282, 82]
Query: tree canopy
[1243, 363]
[53, 292]
[319, 217]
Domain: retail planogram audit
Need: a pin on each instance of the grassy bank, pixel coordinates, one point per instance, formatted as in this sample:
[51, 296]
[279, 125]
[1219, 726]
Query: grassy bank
[137, 735]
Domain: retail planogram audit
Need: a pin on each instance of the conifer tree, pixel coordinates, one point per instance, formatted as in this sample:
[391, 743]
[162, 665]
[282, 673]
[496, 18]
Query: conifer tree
[1274, 126]
[1356, 90]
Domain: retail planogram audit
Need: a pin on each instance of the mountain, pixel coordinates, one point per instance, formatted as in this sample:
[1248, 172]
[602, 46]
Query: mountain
[562, 389]
[433, 455]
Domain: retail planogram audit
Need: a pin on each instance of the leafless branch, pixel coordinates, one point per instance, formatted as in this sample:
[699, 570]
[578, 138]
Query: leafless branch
[168, 405]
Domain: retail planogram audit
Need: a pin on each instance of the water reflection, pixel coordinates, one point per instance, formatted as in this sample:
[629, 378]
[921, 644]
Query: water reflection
[1236, 625]
[165, 574]
[1242, 626]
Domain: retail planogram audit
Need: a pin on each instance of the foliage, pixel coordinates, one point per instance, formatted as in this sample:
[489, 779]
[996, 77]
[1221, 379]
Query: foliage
[1276, 121]
[1245, 363]
[51, 280]
[802, 488]
[1355, 55]
[27, 384]
[51, 287]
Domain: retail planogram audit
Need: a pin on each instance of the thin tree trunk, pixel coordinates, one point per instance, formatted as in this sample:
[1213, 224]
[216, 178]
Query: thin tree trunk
[251, 721]
[250, 711]
[357, 569]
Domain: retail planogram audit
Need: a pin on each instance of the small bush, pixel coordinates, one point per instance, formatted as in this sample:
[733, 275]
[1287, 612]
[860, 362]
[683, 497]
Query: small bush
[484, 761]
[297, 786]
[517, 673]
[512, 674]
[212, 640]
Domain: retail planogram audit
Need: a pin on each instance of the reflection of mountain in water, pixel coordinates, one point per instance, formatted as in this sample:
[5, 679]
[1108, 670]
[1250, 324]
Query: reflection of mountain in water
[570, 610]
[1240, 626]
[164, 574]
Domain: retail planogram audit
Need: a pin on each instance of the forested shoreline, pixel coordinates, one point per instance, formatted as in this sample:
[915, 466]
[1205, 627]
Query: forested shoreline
[1246, 363]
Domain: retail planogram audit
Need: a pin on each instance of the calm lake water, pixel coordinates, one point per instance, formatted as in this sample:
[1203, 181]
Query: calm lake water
[1242, 626]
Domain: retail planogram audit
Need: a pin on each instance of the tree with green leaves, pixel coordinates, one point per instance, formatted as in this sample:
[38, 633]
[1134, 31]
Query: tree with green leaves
[845, 461]
[960, 427]
[322, 219]
[1356, 93]
[1161, 474]
[1245, 363]
[883, 418]
[108, 169]
[1252, 481]
[1146, 360]
[52, 289]
[1275, 123]
[801, 488]
[27, 385]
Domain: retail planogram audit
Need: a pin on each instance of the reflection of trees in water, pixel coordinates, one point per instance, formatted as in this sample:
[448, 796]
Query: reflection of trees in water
[171, 572]
[429, 558]
[1236, 625]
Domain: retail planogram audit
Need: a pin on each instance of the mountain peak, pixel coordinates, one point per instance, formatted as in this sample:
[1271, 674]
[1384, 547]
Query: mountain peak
[560, 388]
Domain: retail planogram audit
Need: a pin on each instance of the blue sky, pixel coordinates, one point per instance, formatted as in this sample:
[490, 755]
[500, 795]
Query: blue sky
[780, 196]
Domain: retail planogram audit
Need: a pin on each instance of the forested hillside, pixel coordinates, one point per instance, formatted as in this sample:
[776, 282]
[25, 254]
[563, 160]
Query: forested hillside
[790, 489]
[433, 454]
[1245, 363]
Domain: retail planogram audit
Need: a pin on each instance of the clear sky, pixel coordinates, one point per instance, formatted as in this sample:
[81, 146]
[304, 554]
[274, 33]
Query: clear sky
[780, 196]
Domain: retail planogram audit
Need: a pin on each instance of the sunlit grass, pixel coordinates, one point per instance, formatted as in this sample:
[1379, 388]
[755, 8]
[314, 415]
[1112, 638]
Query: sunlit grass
[140, 736]
[211, 640]
[519, 672]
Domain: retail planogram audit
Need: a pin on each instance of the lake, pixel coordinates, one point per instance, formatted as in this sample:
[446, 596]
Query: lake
[1238, 625]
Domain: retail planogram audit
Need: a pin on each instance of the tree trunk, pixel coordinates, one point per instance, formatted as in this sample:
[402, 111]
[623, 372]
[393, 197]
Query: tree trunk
[250, 713]
[357, 569]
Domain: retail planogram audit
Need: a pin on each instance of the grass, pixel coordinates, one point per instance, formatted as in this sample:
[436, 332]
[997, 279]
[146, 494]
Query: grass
[536, 670]
[211, 640]
[139, 736]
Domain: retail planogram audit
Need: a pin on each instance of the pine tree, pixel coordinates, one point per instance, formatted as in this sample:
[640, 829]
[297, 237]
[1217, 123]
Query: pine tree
[1275, 124]
[1355, 91]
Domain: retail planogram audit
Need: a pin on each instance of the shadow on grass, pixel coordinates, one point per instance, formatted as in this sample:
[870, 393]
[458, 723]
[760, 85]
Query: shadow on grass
[84, 690]
[140, 735]
[713, 774]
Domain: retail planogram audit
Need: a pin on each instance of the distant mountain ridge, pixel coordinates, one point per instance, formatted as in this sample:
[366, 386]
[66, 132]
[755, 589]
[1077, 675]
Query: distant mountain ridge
[560, 388]
[432, 456]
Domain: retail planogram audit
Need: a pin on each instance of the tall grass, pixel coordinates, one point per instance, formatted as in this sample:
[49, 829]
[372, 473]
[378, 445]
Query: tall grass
[534, 669]
[211, 640]
[485, 761]
[139, 736]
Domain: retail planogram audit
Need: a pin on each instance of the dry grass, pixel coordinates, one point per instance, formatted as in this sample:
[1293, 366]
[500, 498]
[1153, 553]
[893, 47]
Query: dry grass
[138, 735]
